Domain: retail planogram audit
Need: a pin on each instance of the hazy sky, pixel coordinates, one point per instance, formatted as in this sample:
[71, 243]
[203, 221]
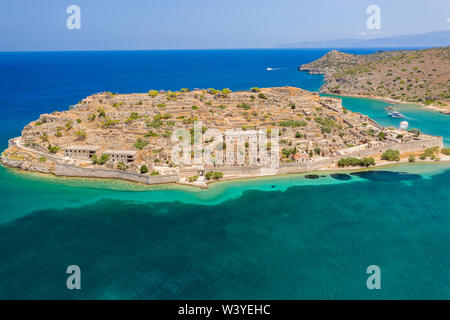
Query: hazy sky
[192, 24]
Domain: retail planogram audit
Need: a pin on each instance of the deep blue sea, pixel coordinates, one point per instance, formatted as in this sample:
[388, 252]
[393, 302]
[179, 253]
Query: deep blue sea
[268, 238]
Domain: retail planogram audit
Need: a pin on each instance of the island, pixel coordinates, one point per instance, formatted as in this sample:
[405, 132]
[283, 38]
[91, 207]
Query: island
[131, 136]
[417, 76]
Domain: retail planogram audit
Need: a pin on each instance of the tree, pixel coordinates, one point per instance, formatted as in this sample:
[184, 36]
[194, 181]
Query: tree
[143, 169]
[153, 93]
[356, 162]
[391, 155]
[52, 149]
[216, 175]
[122, 166]
[102, 160]
[262, 96]
[140, 144]
[381, 136]
[446, 151]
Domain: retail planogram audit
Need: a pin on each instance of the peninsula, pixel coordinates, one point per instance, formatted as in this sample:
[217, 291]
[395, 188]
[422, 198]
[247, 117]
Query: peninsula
[130, 136]
[417, 76]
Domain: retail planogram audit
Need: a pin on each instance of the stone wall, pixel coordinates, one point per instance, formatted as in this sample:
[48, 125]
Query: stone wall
[286, 168]
[69, 170]
[410, 146]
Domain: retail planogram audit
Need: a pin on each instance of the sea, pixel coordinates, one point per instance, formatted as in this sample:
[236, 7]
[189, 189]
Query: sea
[283, 237]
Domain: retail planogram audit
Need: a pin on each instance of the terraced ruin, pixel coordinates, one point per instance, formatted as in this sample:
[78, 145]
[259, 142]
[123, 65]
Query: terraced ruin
[130, 136]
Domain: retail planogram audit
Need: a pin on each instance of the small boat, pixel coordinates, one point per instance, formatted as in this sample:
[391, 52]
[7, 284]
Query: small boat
[396, 114]
[389, 108]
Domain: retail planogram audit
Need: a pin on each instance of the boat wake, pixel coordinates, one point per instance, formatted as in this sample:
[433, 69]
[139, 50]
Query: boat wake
[279, 68]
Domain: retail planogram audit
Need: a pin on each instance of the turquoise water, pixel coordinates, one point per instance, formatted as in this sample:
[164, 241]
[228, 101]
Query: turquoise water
[270, 238]
[429, 122]
[279, 238]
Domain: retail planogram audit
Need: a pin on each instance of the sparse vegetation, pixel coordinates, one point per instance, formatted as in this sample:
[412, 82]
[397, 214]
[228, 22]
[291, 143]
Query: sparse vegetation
[356, 162]
[391, 155]
[140, 144]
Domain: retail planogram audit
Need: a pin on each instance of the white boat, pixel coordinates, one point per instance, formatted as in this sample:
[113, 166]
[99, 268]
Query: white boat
[404, 125]
[396, 114]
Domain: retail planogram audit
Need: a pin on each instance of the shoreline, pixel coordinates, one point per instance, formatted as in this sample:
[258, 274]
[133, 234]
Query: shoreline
[393, 101]
[184, 186]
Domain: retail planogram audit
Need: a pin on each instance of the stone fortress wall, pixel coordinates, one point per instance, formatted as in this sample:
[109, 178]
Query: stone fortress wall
[70, 170]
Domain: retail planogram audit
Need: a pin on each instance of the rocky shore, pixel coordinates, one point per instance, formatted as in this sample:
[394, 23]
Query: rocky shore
[132, 136]
[414, 76]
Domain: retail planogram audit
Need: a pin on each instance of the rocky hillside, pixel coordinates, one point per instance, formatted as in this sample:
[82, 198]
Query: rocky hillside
[419, 76]
[141, 125]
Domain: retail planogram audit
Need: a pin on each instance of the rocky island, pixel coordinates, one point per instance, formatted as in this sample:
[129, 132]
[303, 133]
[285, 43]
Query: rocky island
[417, 76]
[131, 136]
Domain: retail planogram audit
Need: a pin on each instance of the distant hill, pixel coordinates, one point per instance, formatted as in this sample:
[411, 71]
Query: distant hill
[430, 39]
[419, 76]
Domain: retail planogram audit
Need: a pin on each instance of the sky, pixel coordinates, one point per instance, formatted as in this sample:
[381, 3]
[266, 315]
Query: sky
[40, 25]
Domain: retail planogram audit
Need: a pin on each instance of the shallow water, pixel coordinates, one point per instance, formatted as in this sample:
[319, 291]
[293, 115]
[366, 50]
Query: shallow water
[302, 239]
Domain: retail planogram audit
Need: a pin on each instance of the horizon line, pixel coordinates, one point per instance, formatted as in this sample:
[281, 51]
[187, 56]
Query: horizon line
[213, 49]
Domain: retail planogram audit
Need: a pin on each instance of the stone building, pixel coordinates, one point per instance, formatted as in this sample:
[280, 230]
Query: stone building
[124, 156]
[80, 152]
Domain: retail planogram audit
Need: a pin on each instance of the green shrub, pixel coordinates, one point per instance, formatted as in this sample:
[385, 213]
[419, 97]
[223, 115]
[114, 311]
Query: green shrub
[102, 160]
[52, 149]
[122, 166]
[391, 155]
[446, 151]
[81, 135]
[193, 178]
[101, 112]
[255, 89]
[143, 169]
[412, 158]
[216, 175]
[356, 162]
[151, 134]
[133, 116]
[293, 123]
[244, 106]
[140, 144]
[153, 93]
[429, 153]
[154, 173]
[262, 96]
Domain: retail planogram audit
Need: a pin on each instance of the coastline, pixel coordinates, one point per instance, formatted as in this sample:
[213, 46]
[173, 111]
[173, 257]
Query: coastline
[393, 101]
[132, 185]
